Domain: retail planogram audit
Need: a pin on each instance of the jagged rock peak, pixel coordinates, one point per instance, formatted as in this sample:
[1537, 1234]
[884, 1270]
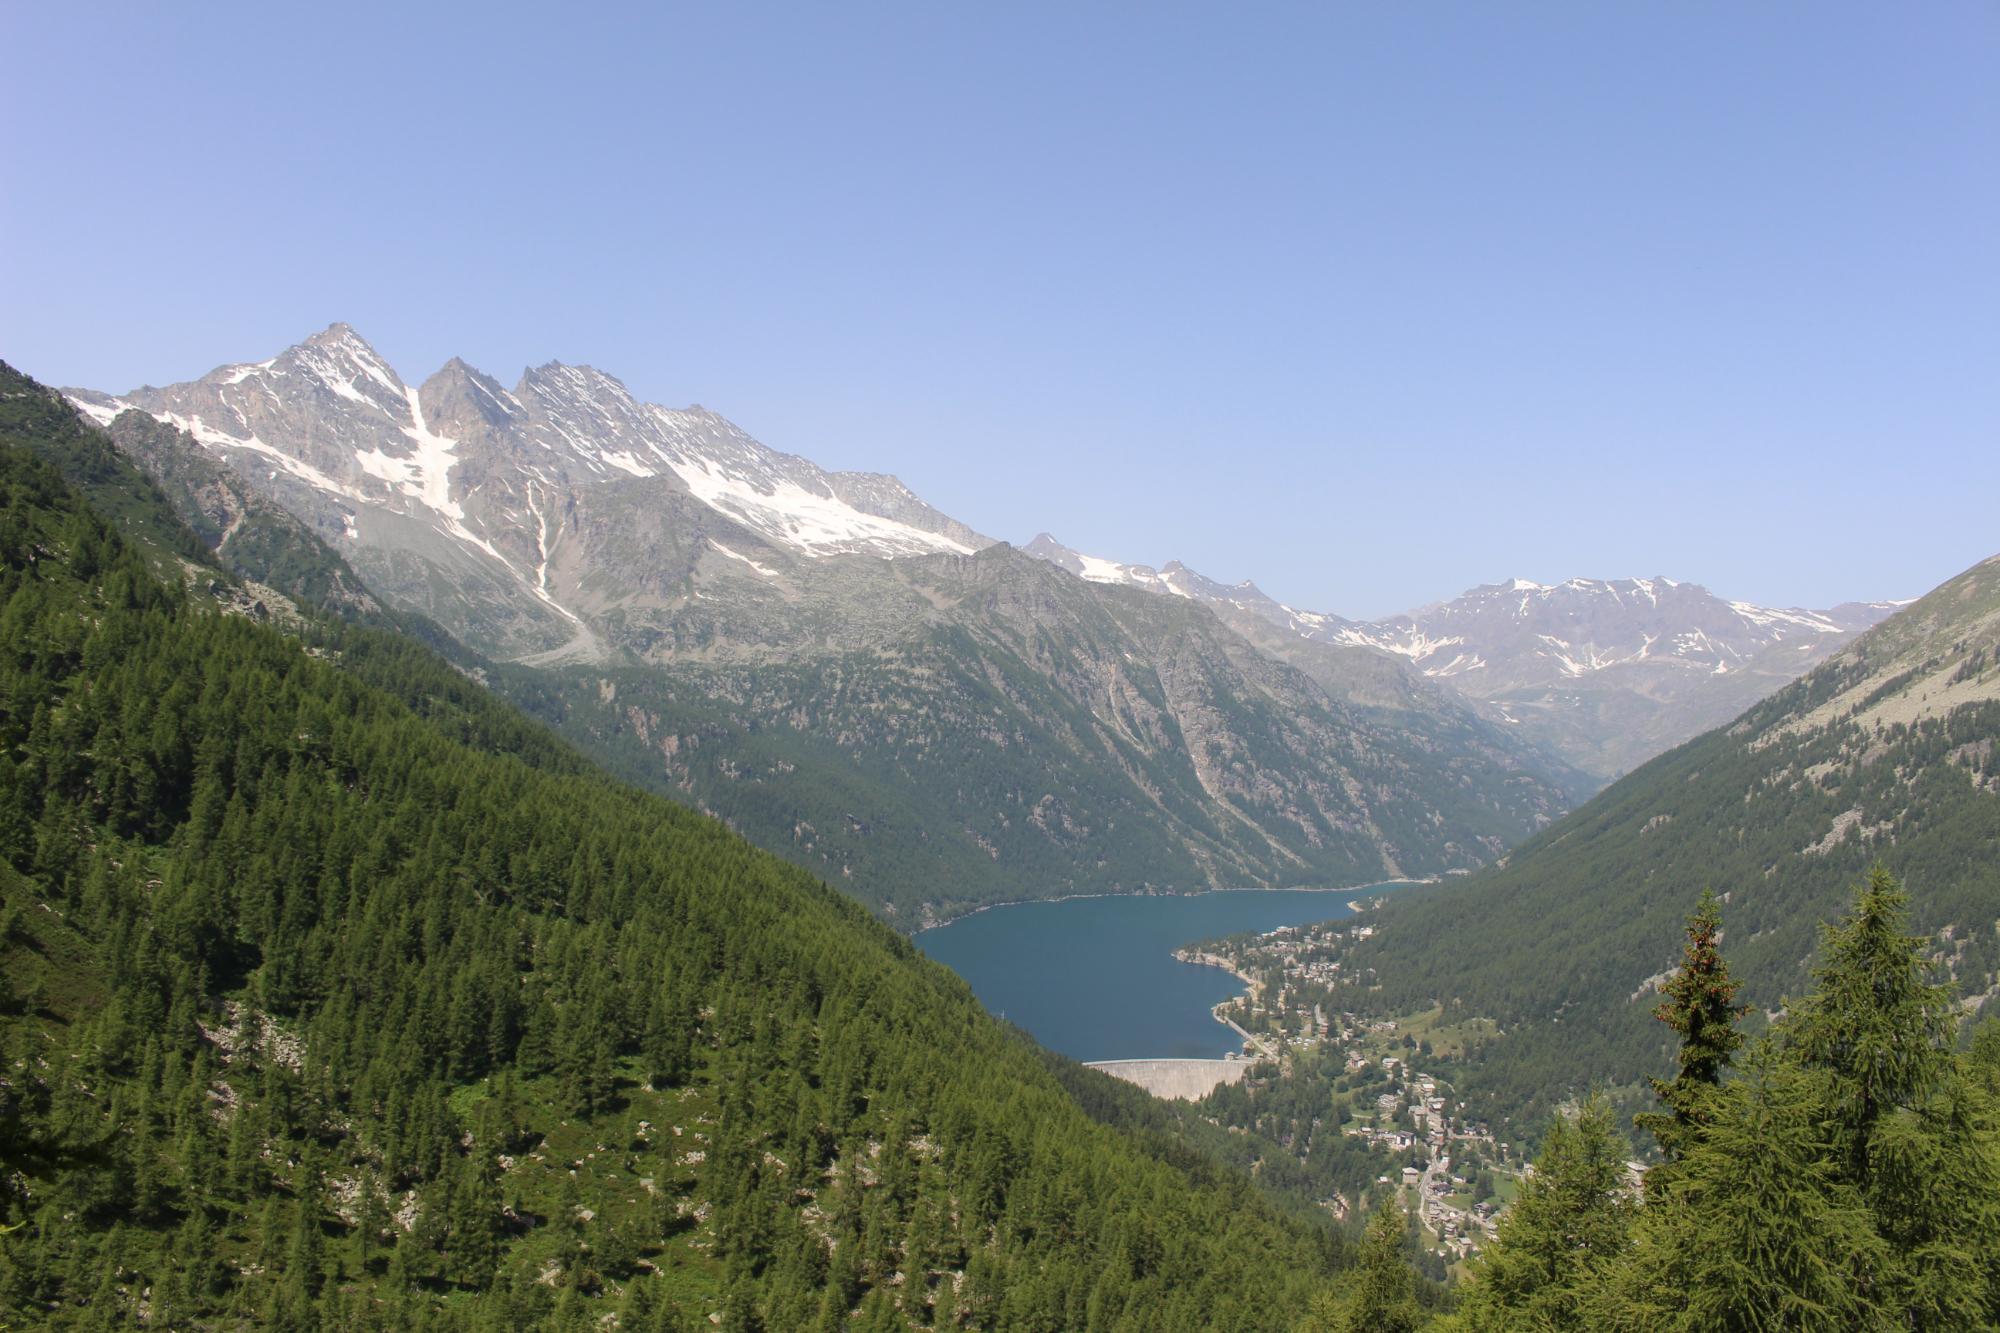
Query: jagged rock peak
[331, 415]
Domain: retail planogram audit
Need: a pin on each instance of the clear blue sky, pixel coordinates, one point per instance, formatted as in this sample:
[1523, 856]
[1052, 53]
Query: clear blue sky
[1368, 303]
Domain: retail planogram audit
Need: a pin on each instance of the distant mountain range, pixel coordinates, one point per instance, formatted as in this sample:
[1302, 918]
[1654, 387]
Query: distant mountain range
[1888, 749]
[1606, 673]
[850, 677]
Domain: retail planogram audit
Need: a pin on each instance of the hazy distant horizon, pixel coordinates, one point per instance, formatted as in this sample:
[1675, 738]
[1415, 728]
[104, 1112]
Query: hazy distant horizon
[1369, 307]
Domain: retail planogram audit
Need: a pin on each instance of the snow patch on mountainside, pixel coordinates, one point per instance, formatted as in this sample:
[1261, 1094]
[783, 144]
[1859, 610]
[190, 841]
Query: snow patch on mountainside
[1104, 571]
[1417, 646]
[424, 476]
[282, 461]
[1811, 621]
[1458, 665]
[817, 525]
[103, 413]
[765, 570]
[1175, 580]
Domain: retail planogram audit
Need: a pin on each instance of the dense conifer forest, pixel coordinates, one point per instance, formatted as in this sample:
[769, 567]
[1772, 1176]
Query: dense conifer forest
[337, 995]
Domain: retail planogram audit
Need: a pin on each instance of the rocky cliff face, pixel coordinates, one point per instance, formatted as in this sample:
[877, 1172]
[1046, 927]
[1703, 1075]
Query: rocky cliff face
[1021, 732]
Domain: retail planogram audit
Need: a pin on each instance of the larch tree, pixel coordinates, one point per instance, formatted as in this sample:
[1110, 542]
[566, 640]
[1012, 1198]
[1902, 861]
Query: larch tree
[1913, 1130]
[1751, 1228]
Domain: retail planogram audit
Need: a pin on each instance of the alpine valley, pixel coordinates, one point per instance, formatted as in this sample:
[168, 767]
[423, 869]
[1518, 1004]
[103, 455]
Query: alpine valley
[908, 708]
[341, 993]
[1886, 751]
[489, 848]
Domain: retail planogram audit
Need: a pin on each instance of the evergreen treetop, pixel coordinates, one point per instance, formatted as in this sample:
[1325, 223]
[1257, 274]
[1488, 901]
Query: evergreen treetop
[1701, 1006]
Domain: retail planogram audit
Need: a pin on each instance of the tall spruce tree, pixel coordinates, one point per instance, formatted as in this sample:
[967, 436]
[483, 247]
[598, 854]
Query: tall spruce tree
[1701, 1006]
[1874, 1020]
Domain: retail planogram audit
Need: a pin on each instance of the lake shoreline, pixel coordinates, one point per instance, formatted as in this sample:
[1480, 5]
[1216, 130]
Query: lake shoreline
[931, 920]
[1253, 1049]
[1074, 970]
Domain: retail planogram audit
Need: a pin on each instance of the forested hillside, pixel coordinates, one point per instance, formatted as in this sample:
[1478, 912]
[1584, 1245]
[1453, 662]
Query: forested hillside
[331, 1003]
[1888, 749]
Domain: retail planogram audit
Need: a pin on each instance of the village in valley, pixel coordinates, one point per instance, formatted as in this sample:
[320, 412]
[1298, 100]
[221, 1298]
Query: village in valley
[1448, 1169]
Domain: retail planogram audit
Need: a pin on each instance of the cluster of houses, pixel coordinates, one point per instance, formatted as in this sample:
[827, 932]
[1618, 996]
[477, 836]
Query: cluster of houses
[1299, 956]
[1414, 1115]
[1459, 1230]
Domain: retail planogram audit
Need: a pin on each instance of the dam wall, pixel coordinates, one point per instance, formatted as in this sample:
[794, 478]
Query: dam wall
[1177, 1080]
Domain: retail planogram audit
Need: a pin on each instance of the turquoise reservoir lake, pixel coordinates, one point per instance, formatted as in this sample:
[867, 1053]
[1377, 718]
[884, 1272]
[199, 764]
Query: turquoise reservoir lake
[1096, 979]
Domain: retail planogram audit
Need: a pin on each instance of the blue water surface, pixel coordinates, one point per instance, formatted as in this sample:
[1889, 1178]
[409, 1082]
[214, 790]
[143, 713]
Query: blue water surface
[1095, 978]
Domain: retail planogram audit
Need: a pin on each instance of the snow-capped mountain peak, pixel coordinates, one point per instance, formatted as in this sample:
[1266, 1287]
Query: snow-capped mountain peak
[1585, 625]
[526, 511]
[333, 416]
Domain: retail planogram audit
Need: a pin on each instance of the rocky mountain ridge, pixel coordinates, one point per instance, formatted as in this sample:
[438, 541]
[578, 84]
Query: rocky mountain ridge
[489, 509]
[470, 500]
